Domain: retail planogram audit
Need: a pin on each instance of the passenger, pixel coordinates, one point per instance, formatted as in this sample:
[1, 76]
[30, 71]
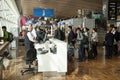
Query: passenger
[23, 31]
[71, 36]
[21, 35]
[75, 33]
[40, 34]
[39, 23]
[80, 44]
[94, 41]
[119, 49]
[57, 33]
[81, 28]
[116, 39]
[109, 40]
[62, 33]
[86, 41]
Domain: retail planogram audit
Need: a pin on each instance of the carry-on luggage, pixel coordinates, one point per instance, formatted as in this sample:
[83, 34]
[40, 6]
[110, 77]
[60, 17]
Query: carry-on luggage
[70, 53]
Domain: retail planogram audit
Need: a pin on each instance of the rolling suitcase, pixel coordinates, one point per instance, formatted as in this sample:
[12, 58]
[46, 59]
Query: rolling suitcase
[70, 53]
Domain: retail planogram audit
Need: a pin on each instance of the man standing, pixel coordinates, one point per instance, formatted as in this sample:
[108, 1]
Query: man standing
[71, 36]
[116, 39]
[81, 28]
[57, 33]
[109, 40]
[80, 44]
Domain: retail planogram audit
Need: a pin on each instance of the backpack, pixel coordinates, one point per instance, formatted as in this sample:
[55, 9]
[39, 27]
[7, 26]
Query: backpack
[10, 37]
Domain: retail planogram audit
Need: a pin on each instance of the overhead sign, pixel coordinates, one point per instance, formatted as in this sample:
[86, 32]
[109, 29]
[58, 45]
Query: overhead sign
[40, 12]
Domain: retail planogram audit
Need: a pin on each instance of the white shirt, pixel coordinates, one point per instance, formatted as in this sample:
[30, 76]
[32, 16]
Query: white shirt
[30, 36]
[34, 33]
[94, 37]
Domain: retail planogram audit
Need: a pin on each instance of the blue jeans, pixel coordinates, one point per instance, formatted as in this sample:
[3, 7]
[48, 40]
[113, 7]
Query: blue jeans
[80, 52]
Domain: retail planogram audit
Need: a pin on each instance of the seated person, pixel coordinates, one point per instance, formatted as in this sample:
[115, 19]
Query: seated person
[29, 38]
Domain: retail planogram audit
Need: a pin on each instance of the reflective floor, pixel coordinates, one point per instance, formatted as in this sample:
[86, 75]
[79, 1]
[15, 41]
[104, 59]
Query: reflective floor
[97, 69]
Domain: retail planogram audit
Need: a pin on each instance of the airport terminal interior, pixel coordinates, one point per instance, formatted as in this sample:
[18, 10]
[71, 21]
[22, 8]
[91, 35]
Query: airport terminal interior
[59, 39]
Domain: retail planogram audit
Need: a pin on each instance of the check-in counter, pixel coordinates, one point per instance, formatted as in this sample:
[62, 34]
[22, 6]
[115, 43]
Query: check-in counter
[3, 47]
[52, 61]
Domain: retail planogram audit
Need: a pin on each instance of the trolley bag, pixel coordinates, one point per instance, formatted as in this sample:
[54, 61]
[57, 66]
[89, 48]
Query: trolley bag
[70, 53]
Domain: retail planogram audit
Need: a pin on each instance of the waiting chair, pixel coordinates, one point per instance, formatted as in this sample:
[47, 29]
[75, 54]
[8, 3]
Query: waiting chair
[30, 57]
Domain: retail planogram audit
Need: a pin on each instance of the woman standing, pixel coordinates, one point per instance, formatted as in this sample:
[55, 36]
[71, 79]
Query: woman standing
[94, 41]
[86, 41]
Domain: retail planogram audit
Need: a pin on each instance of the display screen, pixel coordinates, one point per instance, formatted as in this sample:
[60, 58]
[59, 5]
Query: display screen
[49, 12]
[40, 12]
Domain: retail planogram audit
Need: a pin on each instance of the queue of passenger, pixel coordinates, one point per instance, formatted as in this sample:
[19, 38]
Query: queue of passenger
[112, 41]
[82, 38]
[87, 42]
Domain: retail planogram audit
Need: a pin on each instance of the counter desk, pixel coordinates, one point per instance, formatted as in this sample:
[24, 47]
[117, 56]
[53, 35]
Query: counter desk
[3, 47]
[52, 61]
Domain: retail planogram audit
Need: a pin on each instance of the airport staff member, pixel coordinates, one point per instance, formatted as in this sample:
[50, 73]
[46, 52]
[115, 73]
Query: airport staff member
[29, 38]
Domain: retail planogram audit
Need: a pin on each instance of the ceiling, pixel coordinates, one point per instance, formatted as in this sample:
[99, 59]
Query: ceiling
[62, 8]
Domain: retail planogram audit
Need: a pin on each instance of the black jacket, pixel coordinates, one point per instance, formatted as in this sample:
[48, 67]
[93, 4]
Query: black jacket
[71, 37]
[117, 36]
[109, 39]
[57, 34]
[40, 35]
